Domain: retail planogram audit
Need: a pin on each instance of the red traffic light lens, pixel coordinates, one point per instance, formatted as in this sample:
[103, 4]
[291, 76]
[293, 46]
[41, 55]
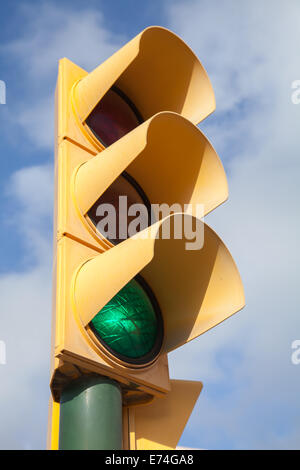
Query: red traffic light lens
[113, 117]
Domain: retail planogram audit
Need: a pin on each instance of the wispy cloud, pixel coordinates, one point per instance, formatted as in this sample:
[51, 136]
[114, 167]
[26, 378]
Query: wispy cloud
[26, 314]
[51, 31]
[48, 33]
[252, 63]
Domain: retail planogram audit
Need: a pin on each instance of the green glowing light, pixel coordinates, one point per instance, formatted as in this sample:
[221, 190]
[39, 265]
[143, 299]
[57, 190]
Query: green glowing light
[128, 324]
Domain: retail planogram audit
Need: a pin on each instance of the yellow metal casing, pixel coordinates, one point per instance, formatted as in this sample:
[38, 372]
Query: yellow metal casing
[170, 159]
[69, 220]
[206, 289]
[53, 424]
[66, 123]
[156, 70]
[159, 424]
[158, 61]
[175, 165]
[150, 153]
[81, 177]
[74, 346]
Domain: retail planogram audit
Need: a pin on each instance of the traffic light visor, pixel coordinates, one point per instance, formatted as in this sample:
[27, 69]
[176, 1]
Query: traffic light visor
[157, 72]
[206, 289]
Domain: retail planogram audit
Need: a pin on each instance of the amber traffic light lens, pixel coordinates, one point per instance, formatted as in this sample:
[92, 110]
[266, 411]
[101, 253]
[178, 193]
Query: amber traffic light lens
[113, 117]
[114, 214]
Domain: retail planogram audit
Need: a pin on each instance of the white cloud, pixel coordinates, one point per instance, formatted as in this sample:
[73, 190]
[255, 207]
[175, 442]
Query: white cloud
[250, 50]
[26, 315]
[49, 33]
[25, 326]
[37, 121]
[31, 193]
[32, 187]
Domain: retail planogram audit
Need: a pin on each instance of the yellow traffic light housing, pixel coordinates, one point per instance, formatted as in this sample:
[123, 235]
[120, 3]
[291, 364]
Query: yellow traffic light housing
[156, 71]
[207, 288]
[152, 153]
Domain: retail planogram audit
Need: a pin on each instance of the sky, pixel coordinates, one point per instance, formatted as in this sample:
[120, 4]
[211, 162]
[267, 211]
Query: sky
[250, 50]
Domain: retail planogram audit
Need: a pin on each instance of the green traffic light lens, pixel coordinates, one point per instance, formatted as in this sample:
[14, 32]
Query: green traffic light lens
[130, 324]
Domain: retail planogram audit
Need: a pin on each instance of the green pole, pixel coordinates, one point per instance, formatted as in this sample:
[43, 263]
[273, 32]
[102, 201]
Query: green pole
[91, 415]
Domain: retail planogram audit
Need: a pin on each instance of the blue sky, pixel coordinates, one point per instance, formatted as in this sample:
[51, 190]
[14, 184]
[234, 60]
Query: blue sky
[250, 51]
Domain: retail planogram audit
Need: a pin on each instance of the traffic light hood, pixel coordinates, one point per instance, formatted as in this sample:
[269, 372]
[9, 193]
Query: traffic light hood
[167, 156]
[206, 289]
[157, 71]
[172, 413]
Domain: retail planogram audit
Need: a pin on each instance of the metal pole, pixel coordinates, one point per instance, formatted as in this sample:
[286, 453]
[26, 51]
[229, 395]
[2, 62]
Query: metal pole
[91, 415]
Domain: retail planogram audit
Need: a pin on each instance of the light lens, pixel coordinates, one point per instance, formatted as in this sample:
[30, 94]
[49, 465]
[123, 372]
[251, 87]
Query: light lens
[130, 324]
[113, 117]
[110, 216]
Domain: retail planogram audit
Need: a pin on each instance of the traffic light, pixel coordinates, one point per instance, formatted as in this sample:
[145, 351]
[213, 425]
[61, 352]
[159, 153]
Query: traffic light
[137, 273]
